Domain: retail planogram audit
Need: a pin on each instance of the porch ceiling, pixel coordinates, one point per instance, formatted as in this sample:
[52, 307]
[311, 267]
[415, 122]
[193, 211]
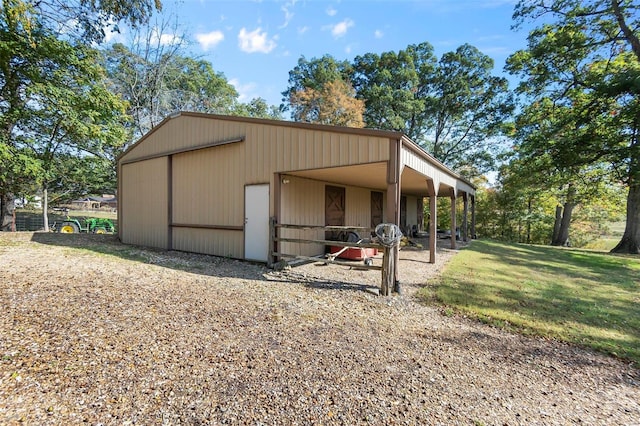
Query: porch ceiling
[372, 176]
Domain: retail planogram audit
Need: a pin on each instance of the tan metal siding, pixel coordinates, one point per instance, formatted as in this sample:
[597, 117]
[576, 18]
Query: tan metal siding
[208, 189]
[412, 211]
[144, 199]
[209, 241]
[302, 204]
[358, 207]
[185, 132]
[208, 186]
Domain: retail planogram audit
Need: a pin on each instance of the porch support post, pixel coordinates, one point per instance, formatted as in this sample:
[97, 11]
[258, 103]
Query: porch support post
[432, 190]
[473, 216]
[274, 218]
[465, 211]
[394, 171]
[453, 218]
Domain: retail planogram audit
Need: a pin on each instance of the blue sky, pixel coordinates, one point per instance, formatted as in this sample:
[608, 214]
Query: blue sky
[255, 43]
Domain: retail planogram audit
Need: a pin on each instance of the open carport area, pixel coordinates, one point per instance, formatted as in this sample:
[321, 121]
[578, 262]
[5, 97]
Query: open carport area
[100, 332]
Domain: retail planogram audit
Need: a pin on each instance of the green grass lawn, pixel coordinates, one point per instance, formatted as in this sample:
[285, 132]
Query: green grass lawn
[588, 298]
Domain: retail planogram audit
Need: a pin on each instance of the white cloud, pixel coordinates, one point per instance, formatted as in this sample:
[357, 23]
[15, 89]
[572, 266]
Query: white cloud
[302, 30]
[246, 92]
[331, 11]
[378, 34]
[111, 35]
[341, 28]
[164, 39]
[211, 39]
[256, 41]
[288, 13]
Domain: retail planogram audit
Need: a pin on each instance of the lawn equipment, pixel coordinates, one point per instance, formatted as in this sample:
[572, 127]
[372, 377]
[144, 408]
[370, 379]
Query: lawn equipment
[91, 225]
[352, 253]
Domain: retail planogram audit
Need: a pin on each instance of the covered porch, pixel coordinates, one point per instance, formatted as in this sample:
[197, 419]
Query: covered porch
[409, 174]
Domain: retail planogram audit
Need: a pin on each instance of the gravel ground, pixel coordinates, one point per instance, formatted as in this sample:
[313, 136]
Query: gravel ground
[94, 332]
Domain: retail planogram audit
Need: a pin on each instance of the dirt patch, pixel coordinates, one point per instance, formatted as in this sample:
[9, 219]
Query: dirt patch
[94, 331]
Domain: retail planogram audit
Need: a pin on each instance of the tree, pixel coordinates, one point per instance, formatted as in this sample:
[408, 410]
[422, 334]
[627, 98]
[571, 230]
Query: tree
[34, 46]
[586, 58]
[258, 108]
[73, 114]
[543, 128]
[453, 107]
[467, 109]
[157, 80]
[395, 87]
[311, 76]
[334, 104]
[87, 20]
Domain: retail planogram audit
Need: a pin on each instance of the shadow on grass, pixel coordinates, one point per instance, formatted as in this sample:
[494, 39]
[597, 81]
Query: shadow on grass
[586, 298]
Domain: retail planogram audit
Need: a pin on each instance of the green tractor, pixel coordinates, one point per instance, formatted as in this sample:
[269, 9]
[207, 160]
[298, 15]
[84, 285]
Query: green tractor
[91, 225]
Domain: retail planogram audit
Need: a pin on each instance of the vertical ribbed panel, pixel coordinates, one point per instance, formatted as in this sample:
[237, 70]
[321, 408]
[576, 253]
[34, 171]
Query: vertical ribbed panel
[208, 186]
[144, 199]
[412, 211]
[209, 241]
[302, 204]
[358, 207]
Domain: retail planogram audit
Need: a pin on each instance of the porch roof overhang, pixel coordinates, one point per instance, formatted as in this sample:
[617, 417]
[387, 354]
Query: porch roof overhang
[417, 166]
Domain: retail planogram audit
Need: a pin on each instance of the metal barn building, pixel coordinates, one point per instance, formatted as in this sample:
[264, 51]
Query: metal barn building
[210, 184]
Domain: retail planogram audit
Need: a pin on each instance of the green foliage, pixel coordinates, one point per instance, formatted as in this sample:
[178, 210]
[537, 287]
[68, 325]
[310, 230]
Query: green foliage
[308, 80]
[580, 77]
[257, 108]
[453, 107]
[580, 297]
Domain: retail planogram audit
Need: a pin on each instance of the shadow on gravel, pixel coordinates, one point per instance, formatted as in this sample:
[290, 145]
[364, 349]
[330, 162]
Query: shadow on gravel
[201, 264]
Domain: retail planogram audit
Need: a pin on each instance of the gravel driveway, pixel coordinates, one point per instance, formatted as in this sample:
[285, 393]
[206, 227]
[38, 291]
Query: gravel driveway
[113, 334]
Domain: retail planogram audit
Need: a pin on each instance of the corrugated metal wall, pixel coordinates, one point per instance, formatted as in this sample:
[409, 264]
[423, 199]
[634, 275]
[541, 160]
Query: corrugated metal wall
[303, 202]
[144, 203]
[217, 242]
[208, 184]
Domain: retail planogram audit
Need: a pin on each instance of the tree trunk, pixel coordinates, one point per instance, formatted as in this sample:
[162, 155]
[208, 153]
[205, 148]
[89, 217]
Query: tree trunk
[630, 242]
[562, 238]
[557, 224]
[7, 213]
[529, 221]
[45, 209]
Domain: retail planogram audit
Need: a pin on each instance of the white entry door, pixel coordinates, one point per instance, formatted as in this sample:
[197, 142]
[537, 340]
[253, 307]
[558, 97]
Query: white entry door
[256, 222]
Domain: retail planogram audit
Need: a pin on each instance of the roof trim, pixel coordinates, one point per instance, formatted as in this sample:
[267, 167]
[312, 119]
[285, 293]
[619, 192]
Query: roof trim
[395, 135]
[183, 150]
[433, 160]
[308, 126]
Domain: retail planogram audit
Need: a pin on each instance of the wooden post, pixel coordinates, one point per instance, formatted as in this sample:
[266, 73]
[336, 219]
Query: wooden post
[389, 267]
[453, 218]
[272, 242]
[473, 217]
[432, 190]
[465, 212]
[387, 272]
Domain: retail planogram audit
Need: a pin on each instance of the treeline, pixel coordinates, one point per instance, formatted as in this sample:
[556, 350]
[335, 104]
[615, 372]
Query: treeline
[562, 149]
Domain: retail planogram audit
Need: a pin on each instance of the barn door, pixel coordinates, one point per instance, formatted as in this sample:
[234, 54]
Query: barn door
[334, 209]
[256, 222]
[376, 208]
